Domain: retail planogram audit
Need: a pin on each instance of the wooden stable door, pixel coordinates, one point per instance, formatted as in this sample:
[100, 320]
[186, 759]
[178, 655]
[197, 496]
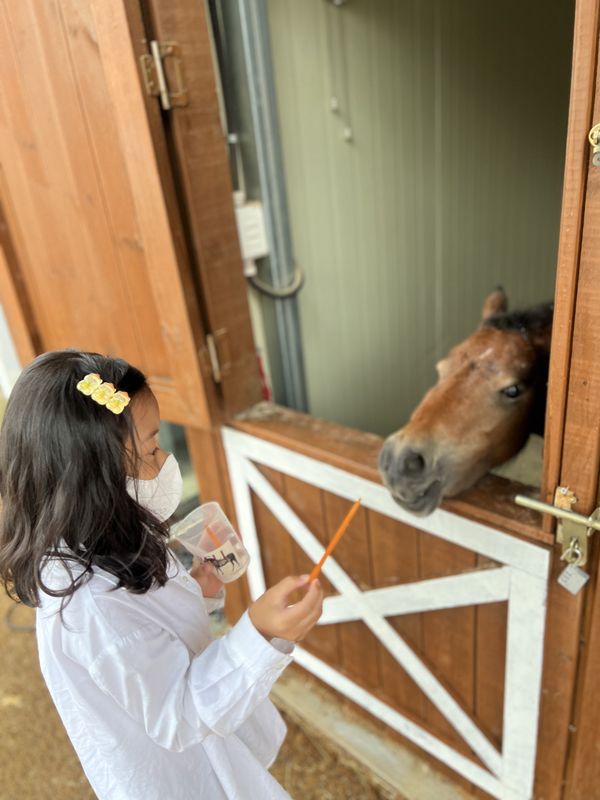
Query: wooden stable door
[95, 255]
[119, 236]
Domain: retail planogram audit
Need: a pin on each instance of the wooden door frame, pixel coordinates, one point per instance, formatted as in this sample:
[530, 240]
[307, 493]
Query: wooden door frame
[579, 407]
[564, 720]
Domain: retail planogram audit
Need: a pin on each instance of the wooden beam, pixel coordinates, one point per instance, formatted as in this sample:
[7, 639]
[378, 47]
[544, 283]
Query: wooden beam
[583, 74]
[572, 430]
[490, 502]
[198, 148]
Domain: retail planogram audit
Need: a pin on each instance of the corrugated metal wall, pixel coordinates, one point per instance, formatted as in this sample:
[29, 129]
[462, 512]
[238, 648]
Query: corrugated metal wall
[450, 185]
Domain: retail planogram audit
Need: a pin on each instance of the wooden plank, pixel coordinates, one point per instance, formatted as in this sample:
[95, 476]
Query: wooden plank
[307, 502]
[452, 591]
[396, 561]
[449, 636]
[84, 198]
[572, 214]
[129, 107]
[573, 387]
[489, 502]
[490, 657]
[275, 544]
[560, 659]
[45, 242]
[359, 648]
[199, 145]
[583, 773]
[580, 470]
[109, 164]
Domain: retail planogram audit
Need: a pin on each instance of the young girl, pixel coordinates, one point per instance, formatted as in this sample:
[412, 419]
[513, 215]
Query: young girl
[153, 707]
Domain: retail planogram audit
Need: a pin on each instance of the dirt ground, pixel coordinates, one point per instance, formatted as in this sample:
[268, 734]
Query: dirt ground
[37, 761]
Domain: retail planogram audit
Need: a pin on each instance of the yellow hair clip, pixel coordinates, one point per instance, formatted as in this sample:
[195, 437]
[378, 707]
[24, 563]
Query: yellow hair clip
[103, 393]
[90, 383]
[117, 402]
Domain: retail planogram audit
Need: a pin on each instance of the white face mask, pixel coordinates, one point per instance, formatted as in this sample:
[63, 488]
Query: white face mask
[160, 495]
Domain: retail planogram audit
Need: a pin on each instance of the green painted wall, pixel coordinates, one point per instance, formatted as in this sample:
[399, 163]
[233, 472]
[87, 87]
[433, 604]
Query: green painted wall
[451, 185]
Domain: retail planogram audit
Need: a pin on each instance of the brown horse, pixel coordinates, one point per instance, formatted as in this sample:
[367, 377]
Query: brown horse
[490, 395]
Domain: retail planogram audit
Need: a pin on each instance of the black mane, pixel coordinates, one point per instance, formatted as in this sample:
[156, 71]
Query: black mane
[525, 320]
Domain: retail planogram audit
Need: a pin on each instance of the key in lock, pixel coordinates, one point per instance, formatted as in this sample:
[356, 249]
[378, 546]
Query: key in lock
[572, 554]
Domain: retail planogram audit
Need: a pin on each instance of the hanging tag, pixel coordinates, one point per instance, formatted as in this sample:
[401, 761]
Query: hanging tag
[573, 578]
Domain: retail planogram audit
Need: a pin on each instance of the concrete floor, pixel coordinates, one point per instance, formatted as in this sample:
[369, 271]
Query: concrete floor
[37, 761]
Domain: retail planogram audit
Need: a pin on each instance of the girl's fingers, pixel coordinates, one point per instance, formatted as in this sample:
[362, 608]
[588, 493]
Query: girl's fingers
[282, 590]
[310, 604]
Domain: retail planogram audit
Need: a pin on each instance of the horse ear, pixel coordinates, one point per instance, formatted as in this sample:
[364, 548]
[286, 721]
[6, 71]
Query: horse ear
[495, 303]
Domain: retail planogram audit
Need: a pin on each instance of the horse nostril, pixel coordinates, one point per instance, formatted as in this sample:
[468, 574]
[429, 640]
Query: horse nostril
[414, 463]
[386, 455]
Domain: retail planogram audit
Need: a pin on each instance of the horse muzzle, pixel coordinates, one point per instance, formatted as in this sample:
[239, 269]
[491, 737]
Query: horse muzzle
[412, 475]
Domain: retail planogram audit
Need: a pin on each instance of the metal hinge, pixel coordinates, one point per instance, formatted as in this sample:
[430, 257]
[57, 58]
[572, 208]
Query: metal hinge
[155, 79]
[573, 531]
[216, 356]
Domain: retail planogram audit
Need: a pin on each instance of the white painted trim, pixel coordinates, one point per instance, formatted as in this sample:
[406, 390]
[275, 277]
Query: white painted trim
[508, 550]
[523, 681]
[245, 513]
[387, 635]
[415, 733]
[452, 591]
[523, 581]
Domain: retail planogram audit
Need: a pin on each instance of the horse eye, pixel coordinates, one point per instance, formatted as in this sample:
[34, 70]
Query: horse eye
[512, 391]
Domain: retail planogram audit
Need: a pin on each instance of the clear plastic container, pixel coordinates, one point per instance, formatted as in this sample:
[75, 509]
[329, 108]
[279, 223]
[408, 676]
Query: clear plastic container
[207, 534]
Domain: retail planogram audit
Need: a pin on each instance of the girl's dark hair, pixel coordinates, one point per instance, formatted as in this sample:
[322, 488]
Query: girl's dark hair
[63, 484]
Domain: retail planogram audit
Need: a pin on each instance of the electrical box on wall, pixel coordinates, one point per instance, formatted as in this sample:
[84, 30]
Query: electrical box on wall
[250, 218]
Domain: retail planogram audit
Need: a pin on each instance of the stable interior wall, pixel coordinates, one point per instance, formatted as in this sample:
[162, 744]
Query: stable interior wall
[438, 177]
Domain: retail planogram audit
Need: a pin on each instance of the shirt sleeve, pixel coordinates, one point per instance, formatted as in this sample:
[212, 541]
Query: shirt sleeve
[180, 699]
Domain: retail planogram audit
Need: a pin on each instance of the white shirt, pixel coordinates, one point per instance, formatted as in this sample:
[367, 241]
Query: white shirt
[156, 709]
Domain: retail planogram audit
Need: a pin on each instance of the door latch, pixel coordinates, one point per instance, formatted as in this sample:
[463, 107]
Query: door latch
[573, 531]
[155, 79]
[594, 140]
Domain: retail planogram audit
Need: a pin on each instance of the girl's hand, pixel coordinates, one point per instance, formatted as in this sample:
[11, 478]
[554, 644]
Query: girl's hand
[272, 616]
[204, 575]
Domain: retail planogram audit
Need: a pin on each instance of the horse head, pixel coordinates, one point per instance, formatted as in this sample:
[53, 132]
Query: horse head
[490, 395]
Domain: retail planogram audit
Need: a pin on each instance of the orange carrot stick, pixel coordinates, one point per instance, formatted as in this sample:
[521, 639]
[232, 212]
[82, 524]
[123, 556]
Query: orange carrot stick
[213, 536]
[332, 544]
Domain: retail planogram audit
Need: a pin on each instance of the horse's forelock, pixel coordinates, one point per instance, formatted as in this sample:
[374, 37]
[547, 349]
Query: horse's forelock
[527, 320]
